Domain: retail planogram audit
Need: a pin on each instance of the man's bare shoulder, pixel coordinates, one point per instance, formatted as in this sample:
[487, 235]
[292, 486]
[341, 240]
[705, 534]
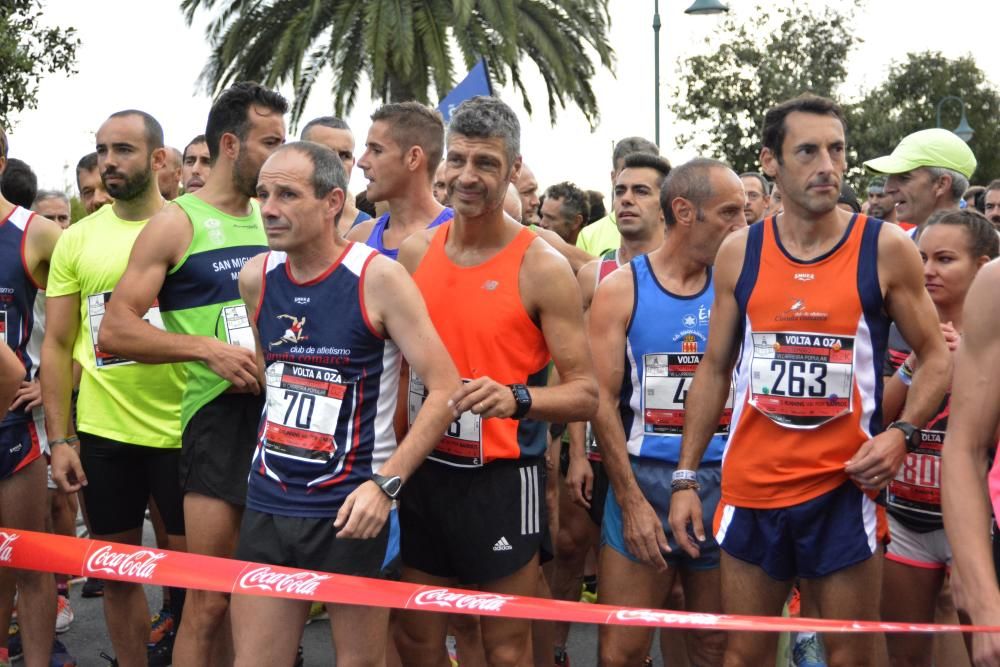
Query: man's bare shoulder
[361, 231]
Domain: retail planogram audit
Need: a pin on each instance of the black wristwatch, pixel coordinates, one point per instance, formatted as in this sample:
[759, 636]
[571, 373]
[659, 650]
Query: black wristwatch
[910, 432]
[391, 486]
[523, 399]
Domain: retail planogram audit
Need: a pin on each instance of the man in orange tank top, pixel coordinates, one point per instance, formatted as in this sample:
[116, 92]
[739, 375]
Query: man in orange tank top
[802, 305]
[972, 431]
[504, 303]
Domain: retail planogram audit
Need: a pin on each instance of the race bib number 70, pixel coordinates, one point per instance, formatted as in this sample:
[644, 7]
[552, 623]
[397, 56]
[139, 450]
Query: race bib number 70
[802, 380]
[303, 410]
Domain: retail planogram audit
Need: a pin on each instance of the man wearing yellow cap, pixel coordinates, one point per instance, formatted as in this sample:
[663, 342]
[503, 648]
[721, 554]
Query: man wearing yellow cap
[928, 171]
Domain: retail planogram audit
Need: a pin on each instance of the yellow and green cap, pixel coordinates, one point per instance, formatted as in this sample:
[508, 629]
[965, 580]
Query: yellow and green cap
[927, 148]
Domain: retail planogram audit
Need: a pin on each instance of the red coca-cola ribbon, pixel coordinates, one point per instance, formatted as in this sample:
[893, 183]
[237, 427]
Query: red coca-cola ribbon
[55, 553]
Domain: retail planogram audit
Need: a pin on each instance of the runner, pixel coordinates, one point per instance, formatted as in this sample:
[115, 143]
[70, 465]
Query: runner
[954, 246]
[326, 467]
[404, 147]
[26, 245]
[127, 414]
[581, 500]
[806, 437]
[335, 134]
[972, 432]
[519, 303]
[648, 327]
[189, 256]
[197, 164]
[88, 181]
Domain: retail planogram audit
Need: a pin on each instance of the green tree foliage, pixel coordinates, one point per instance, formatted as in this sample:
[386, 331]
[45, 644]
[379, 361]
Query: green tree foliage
[754, 63]
[403, 47]
[27, 52]
[908, 100]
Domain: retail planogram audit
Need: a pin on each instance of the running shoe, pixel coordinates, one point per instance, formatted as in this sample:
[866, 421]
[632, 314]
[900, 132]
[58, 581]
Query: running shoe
[4, 658]
[64, 615]
[14, 648]
[92, 588]
[300, 658]
[60, 656]
[161, 654]
[808, 650]
[561, 658]
[795, 602]
[161, 625]
[589, 592]
[317, 612]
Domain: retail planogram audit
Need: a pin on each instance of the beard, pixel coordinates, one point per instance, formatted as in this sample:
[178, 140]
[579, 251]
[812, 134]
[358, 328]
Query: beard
[245, 174]
[131, 187]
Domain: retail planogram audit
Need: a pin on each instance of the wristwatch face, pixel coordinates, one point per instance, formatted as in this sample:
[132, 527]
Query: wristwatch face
[389, 485]
[521, 394]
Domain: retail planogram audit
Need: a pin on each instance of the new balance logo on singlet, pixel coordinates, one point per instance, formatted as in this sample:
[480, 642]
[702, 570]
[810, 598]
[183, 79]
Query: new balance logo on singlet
[502, 545]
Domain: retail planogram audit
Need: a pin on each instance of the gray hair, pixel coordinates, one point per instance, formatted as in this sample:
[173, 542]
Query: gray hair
[760, 177]
[328, 170]
[44, 195]
[959, 183]
[692, 182]
[331, 122]
[630, 145]
[485, 117]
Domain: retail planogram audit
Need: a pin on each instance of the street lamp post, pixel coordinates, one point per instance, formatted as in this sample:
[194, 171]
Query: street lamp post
[964, 131]
[697, 7]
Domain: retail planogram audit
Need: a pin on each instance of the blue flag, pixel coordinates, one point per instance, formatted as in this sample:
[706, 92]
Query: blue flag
[476, 82]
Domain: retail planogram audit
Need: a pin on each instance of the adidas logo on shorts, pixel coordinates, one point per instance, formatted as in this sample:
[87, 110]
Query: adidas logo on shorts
[502, 545]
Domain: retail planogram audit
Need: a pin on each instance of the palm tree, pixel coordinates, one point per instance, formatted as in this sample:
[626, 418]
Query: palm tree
[405, 45]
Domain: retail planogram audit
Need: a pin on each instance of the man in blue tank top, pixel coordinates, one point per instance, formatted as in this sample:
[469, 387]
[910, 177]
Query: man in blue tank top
[330, 319]
[403, 149]
[648, 328]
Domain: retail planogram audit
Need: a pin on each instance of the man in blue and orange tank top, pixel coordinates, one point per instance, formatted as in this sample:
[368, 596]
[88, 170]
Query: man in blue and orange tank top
[504, 303]
[330, 319]
[802, 306]
[648, 328]
[188, 258]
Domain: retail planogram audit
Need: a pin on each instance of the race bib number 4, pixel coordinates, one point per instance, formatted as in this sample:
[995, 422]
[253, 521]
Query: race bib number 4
[303, 410]
[802, 380]
[666, 379]
[917, 486]
[462, 443]
[96, 305]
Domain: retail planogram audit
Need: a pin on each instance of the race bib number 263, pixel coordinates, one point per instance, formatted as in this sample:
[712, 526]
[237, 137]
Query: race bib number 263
[802, 380]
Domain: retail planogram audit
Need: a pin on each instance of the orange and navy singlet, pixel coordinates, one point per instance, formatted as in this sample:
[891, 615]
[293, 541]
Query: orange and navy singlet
[809, 373]
[478, 312]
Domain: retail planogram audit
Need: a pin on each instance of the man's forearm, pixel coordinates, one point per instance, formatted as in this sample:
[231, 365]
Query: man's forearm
[133, 338]
[967, 523]
[577, 432]
[423, 435]
[572, 400]
[614, 451]
[702, 409]
[57, 390]
[927, 390]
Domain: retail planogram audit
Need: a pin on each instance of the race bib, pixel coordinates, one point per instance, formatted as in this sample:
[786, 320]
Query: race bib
[802, 380]
[96, 305]
[666, 379]
[3, 326]
[303, 410]
[917, 487]
[462, 444]
[237, 326]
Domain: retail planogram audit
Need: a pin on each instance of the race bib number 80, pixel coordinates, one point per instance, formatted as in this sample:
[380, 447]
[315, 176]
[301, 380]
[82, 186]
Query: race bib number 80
[303, 410]
[802, 380]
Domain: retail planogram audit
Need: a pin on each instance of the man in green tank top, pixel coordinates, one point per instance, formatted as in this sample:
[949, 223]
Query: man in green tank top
[189, 258]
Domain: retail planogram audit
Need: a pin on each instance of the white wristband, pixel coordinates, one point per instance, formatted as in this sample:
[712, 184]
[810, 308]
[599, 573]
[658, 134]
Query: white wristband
[685, 475]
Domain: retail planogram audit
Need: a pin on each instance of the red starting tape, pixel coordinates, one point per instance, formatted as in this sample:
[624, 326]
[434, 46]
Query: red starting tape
[122, 562]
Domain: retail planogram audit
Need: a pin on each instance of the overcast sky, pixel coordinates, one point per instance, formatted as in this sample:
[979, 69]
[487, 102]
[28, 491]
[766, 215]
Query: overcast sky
[142, 55]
